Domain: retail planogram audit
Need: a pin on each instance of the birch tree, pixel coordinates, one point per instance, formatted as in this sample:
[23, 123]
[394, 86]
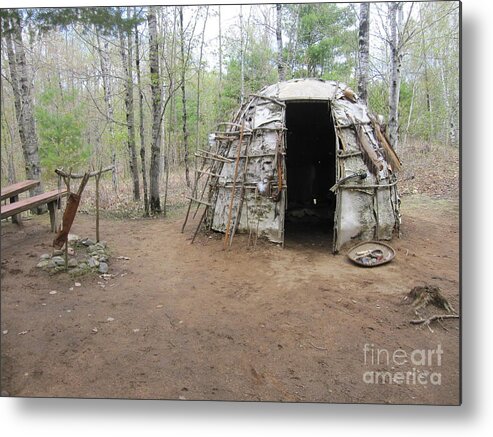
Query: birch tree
[156, 95]
[364, 50]
[395, 73]
[21, 84]
[127, 62]
[184, 98]
[141, 121]
[108, 99]
[280, 58]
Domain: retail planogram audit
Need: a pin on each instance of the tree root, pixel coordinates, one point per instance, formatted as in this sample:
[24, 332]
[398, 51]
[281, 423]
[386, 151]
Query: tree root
[438, 317]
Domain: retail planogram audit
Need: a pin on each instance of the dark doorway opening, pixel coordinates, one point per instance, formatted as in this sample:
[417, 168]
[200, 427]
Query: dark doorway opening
[311, 172]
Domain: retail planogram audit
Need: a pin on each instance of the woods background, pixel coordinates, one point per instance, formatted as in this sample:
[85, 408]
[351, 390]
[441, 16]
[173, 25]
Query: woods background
[142, 87]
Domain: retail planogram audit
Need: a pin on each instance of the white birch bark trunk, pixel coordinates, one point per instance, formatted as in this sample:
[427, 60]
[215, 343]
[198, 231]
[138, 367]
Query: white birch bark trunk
[127, 61]
[155, 204]
[27, 125]
[108, 100]
[280, 61]
[364, 51]
[395, 75]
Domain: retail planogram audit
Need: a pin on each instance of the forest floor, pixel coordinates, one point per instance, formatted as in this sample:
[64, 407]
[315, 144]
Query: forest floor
[182, 321]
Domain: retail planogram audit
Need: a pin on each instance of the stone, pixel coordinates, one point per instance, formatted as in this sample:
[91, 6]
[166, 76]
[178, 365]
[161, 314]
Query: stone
[71, 251]
[87, 242]
[45, 256]
[103, 267]
[92, 248]
[83, 265]
[43, 264]
[72, 238]
[72, 262]
[58, 260]
[103, 258]
[58, 252]
[92, 262]
[5, 394]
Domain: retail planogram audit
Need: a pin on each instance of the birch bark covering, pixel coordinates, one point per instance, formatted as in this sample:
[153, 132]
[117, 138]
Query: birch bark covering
[26, 117]
[155, 203]
[364, 50]
[280, 60]
[395, 74]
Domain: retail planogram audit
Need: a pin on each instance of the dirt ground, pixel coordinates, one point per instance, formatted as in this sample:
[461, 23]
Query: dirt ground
[196, 322]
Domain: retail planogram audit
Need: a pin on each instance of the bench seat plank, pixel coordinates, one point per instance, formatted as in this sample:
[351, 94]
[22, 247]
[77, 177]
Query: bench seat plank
[19, 187]
[30, 203]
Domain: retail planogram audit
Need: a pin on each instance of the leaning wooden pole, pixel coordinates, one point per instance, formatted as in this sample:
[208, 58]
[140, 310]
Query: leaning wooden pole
[69, 214]
[233, 189]
[97, 177]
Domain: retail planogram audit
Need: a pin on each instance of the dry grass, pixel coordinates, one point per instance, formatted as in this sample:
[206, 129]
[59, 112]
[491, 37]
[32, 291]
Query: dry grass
[431, 169]
[120, 203]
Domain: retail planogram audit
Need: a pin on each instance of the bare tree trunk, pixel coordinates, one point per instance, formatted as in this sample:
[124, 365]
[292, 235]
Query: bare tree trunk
[15, 87]
[126, 55]
[427, 85]
[395, 74]
[197, 143]
[446, 99]
[184, 98]
[242, 60]
[280, 61]
[156, 94]
[293, 40]
[220, 49]
[29, 138]
[364, 50]
[141, 122]
[108, 99]
[411, 109]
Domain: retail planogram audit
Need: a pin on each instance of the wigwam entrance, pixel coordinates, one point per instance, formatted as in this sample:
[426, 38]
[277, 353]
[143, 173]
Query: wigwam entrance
[310, 168]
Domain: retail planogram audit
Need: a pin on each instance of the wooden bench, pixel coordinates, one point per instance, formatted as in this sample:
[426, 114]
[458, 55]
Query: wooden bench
[12, 192]
[50, 198]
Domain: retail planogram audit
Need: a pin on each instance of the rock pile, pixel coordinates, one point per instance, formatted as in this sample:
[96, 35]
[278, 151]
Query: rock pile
[84, 255]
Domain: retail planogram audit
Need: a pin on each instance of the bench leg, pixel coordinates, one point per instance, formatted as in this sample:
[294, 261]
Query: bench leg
[15, 218]
[51, 208]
